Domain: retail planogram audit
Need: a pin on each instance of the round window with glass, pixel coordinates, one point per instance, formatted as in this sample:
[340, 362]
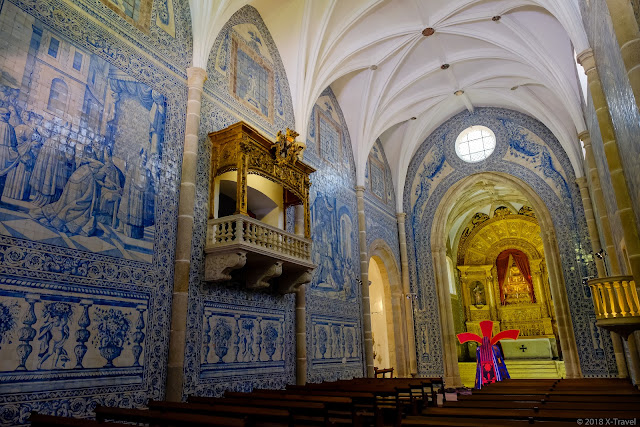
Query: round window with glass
[475, 144]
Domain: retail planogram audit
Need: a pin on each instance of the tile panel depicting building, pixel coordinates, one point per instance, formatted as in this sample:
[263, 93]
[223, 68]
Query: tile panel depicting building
[210, 196]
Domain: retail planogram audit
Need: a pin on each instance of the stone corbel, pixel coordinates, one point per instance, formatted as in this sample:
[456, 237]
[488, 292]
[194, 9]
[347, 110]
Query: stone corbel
[258, 277]
[292, 281]
[218, 267]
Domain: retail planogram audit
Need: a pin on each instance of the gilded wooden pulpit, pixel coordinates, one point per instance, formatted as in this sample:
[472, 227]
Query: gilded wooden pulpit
[263, 254]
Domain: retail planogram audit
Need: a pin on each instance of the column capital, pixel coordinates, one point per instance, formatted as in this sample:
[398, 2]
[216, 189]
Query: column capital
[439, 249]
[587, 60]
[401, 216]
[582, 182]
[360, 190]
[585, 137]
[196, 76]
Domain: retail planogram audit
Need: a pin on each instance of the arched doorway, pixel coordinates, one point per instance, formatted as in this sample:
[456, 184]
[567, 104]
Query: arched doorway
[388, 314]
[463, 230]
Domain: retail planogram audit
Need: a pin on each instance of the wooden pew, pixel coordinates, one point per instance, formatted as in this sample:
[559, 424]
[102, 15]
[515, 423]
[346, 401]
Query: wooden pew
[165, 419]
[41, 420]
[556, 402]
[356, 408]
[308, 413]
[389, 392]
[577, 391]
[388, 401]
[550, 398]
[466, 422]
[564, 406]
[383, 372]
[525, 414]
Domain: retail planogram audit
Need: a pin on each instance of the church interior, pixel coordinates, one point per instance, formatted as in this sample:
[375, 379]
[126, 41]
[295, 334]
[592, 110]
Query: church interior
[202, 198]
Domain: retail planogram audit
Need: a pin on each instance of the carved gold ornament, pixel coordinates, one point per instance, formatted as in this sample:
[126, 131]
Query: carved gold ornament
[286, 149]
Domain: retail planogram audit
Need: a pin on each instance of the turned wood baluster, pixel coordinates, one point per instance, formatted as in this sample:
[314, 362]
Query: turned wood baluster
[611, 300]
[603, 296]
[629, 299]
[621, 301]
[634, 294]
[596, 299]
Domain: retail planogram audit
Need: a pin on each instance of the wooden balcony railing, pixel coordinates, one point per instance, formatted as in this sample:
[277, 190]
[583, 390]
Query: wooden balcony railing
[615, 297]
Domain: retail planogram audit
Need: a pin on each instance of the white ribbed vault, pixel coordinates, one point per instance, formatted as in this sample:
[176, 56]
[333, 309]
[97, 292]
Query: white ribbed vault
[384, 71]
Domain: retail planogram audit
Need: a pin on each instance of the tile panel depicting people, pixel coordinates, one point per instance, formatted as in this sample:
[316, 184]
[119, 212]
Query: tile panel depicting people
[238, 339]
[334, 313]
[83, 283]
[81, 144]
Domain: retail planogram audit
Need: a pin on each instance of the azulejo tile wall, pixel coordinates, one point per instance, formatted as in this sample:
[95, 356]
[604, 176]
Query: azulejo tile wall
[605, 182]
[380, 201]
[527, 150]
[238, 339]
[334, 347]
[93, 132]
[620, 99]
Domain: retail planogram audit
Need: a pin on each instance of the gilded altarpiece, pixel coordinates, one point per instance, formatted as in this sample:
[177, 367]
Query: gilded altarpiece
[517, 303]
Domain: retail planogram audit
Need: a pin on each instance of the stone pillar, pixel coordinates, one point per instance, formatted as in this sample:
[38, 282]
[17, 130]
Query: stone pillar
[450, 352]
[591, 223]
[541, 297]
[625, 210]
[618, 351]
[626, 28]
[561, 305]
[596, 245]
[490, 285]
[179, 304]
[406, 289]
[600, 204]
[301, 311]
[364, 274]
[634, 358]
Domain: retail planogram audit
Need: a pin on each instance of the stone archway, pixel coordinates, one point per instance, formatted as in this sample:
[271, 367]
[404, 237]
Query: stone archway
[397, 324]
[556, 280]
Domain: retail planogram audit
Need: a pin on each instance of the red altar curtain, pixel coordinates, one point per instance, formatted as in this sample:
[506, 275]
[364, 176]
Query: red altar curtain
[522, 262]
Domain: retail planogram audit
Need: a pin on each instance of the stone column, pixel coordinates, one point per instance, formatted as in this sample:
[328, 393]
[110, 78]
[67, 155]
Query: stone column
[490, 281]
[364, 274]
[301, 310]
[179, 304]
[591, 223]
[600, 204]
[596, 245]
[625, 210]
[450, 352]
[406, 289]
[626, 28]
[634, 358]
[541, 297]
[561, 303]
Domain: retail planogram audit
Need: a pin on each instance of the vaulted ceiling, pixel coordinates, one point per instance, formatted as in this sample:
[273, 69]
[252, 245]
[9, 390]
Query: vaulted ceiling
[385, 61]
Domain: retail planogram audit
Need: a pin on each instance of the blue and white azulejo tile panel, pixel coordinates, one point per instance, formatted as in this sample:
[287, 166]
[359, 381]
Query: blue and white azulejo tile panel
[92, 133]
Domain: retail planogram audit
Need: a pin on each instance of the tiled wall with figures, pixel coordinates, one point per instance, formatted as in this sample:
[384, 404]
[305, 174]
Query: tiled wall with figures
[238, 339]
[91, 131]
[380, 201]
[526, 149]
[334, 348]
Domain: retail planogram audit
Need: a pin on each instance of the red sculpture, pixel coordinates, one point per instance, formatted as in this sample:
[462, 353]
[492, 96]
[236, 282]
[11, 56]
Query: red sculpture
[490, 362]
